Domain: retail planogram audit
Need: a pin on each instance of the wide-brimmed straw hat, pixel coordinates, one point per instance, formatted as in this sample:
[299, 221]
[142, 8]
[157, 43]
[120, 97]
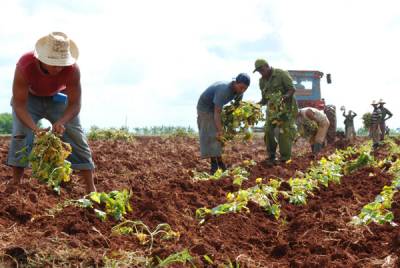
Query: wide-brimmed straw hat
[56, 49]
[374, 102]
[381, 101]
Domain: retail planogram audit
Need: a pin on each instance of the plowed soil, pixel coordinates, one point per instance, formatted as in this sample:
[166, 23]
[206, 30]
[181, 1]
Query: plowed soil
[158, 171]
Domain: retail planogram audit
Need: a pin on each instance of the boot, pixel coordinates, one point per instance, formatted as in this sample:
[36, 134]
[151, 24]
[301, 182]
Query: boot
[221, 164]
[271, 160]
[317, 147]
[214, 165]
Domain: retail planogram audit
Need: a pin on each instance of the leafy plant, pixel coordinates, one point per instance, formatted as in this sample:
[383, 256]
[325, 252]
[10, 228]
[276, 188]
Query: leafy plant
[362, 160]
[237, 118]
[143, 233]
[204, 176]
[96, 133]
[367, 120]
[379, 210]
[116, 203]
[179, 257]
[265, 195]
[48, 160]
[327, 170]
[307, 128]
[300, 189]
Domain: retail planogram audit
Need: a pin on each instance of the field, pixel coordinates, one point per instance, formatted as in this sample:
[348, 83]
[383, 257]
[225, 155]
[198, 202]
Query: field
[159, 172]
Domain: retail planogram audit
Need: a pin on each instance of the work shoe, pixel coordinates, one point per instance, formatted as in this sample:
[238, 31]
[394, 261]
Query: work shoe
[317, 147]
[214, 166]
[222, 165]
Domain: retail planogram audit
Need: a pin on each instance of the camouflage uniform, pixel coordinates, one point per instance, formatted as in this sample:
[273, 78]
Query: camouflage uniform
[279, 82]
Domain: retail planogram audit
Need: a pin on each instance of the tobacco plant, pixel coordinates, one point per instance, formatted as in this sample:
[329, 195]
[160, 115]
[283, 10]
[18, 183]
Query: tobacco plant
[48, 160]
[116, 203]
[238, 118]
[143, 233]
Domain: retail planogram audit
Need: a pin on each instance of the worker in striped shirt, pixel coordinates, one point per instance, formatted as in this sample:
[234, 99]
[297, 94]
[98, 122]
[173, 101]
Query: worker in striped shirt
[375, 124]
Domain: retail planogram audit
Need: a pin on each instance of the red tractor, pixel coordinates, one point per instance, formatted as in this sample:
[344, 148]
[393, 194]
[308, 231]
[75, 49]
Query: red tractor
[308, 94]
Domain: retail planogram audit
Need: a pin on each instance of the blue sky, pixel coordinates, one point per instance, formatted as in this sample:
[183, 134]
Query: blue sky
[147, 62]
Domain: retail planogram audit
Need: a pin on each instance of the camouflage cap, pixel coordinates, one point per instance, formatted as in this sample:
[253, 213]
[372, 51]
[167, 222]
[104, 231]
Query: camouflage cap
[259, 63]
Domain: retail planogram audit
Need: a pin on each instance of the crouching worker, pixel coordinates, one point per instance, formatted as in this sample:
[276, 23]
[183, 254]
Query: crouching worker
[319, 117]
[209, 108]
[40, 77]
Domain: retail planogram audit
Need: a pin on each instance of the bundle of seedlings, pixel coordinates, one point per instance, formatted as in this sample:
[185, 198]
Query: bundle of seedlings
[48, 160]
[238, 118]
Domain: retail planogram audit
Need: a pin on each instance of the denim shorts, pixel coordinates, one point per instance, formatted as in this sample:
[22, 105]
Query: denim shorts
[209, 145]
[45, 107]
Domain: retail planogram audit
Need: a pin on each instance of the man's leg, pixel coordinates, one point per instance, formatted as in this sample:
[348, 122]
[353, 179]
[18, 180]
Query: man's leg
[270, 142]
[210, 147]
[383, 129]
[81, 157]
[22, 140]
[375, 135]
[88, 176]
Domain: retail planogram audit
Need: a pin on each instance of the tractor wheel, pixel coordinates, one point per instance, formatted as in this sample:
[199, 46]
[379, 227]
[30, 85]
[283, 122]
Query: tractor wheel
[330, 111]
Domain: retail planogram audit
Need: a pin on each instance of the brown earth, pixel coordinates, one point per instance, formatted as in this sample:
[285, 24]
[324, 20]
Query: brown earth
[158, 171]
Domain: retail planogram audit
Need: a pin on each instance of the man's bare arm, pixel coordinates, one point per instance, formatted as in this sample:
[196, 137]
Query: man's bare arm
[20, 100]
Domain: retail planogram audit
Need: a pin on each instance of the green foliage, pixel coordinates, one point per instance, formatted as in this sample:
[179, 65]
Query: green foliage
[265, 195]
[278, 111]
[238, 118]
[97, 133]
[165, 131]
[367, 120]
[116, 203]
[143, 233]
[379, 210]
[179, 257]
[308, 128]
[48, 160]
[300, 189]
[365, 158]
[5, 123]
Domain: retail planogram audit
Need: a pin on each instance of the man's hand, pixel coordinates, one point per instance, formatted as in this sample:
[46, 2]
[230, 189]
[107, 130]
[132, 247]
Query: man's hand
[58, 128]
[220, 137]
[37, 130]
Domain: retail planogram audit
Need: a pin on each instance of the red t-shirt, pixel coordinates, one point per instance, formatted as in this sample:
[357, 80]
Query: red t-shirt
[41, 84]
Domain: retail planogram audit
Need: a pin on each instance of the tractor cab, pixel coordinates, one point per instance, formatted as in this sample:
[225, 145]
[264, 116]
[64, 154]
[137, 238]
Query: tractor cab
[308, 94]
[308, 89]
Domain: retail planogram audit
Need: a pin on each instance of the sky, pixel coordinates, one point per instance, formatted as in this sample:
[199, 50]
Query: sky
[145, 63]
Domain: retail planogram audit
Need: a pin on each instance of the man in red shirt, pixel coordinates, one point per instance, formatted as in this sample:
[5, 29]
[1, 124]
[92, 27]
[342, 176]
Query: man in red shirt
[41, 79]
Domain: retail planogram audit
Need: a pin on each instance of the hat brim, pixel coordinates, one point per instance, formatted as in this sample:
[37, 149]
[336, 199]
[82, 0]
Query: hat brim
[41, 53]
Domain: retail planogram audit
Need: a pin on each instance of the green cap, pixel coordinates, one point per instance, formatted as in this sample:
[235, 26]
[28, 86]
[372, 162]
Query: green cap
[259, 63]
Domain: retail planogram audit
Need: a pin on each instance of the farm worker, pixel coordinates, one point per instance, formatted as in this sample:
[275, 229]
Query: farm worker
[386, 114]
[47, 85]
[349, 129]
[209, 108]
[320, 118]
[276, 82]
[375, 130]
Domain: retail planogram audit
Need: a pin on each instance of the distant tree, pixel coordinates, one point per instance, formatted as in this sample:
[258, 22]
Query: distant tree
[362, 132]
[5, 123]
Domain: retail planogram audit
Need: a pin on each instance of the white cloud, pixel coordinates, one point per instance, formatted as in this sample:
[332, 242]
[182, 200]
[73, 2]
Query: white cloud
[150, 60]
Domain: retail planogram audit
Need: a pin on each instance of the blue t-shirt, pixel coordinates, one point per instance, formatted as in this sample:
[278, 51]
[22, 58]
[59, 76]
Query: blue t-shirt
[218, 94]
